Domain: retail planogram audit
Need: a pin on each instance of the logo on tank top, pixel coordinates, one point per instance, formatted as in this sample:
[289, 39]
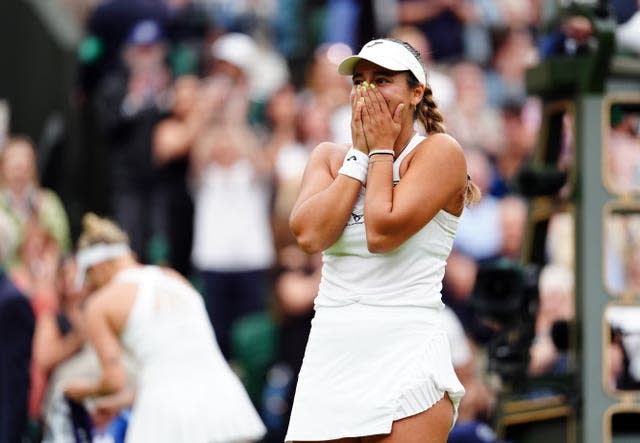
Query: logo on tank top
[355, 219]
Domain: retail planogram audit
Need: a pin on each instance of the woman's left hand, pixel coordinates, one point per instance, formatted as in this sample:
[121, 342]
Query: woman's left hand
[381, 127]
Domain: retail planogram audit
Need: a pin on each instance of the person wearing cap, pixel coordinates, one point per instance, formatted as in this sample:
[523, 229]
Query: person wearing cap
[130, 102]
[383, 212]
[184, 391]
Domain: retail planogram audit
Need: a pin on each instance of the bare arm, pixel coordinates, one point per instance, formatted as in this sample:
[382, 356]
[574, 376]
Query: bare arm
[50, 347]
[434, 180]
[326, 198]
[104, 338]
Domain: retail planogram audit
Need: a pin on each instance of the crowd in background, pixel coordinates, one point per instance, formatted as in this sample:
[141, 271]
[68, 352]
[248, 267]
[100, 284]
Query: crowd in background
[205, 113]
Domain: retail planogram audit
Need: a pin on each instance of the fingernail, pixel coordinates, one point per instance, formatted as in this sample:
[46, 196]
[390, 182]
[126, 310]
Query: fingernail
[401, 106]
[365, 84]
[372, 86]
[361, 100]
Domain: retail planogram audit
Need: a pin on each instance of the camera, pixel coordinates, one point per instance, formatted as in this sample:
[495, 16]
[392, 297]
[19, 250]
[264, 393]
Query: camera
[506, 296]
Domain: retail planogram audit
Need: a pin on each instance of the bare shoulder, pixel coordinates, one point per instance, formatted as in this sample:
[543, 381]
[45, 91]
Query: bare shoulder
[330, 150]
[444, 142]
[329, 154]
[170, 272]
[109, 296]
[443, 150]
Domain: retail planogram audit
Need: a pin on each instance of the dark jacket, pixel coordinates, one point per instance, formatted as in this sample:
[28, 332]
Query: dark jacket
[17, 323]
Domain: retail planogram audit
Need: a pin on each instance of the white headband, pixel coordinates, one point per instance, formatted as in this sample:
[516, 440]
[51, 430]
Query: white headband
[98, 253]
[388, 54]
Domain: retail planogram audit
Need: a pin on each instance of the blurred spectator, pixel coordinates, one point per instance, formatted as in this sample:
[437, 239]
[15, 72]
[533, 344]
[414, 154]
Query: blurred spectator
[513, 216]
[624, 9]
[287, 148]
[513, 53]
[355, 22]
[24, 200]
[107, 29]
[623, 150]
[560, 244]
[439, 79]
[130, 102]
[474, 122]
[624, 321]
[518, 146]
[628, 33]
[572, 36]
[188, 28]
[458, 285]
[233, 243]
[59, 334]
[622, 249]
[243, 60]
[173, 140]
[326, 88]
[16, 331]
[297, 30]
[442, 21]
[479, 234]
[43, 227]
[556, 306]
[34, 275]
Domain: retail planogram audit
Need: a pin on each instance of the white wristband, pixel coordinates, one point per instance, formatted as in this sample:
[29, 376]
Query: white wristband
[382, 151]
[355, 165]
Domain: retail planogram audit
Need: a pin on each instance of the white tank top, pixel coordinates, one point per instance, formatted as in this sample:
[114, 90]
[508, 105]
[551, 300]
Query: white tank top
[410, 275]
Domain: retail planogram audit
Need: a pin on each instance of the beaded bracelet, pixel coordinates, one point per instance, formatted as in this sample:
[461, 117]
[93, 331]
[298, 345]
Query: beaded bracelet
[355, 165]
[382, 151]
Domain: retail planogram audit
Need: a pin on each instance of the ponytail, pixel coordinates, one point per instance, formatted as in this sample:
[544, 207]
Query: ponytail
[472, 193]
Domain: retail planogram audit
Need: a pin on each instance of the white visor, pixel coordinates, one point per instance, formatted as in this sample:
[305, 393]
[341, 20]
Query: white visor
[98, 253]
[388, 54]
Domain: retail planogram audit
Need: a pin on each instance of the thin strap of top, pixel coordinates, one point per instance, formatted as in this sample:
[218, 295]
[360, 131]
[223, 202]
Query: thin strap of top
[415, 141]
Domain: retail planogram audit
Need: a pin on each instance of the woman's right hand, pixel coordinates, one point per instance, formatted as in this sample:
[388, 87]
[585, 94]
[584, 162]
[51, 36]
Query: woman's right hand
[357, 129]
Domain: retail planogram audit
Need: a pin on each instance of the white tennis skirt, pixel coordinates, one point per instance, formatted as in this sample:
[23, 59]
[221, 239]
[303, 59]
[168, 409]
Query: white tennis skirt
[367, 366]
